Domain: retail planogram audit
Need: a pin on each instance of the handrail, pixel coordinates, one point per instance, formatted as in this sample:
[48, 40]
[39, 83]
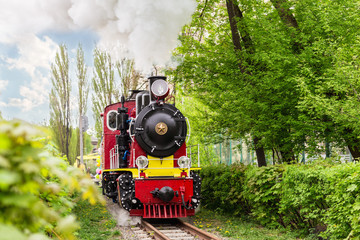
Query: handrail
[191, 153]
[189, 127]
[114, 157]
[131, 135]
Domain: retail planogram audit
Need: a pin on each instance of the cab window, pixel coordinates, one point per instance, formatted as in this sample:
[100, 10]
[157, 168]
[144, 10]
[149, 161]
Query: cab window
[111, 120]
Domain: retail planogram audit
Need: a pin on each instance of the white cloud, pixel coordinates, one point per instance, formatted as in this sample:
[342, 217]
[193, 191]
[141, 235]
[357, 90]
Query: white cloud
[3, 84]
[19, 18]
[33, 95]
[34, 53]
[35, 57]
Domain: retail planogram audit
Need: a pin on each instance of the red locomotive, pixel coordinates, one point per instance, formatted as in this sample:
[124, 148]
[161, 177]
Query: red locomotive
[144, 158]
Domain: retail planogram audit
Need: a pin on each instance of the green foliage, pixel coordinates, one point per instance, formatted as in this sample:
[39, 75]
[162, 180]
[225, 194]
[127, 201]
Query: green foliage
[104, 86]
[36, 188]
[321, 198]
[263, 191]
[222, 188]
[304, 189]
[233, 227]
[96, 223]
[74, 150]
[60, 114]
[342, 214]
[301, 83]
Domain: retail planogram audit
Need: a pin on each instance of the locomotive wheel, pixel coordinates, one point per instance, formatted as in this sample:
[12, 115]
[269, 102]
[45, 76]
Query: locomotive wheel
[118, 196]
[103, 185]
[126, 187]
[197, 189]
[126, 193]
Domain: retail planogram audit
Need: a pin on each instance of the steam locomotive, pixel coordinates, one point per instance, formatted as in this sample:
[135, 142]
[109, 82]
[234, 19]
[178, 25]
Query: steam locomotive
[144, 157]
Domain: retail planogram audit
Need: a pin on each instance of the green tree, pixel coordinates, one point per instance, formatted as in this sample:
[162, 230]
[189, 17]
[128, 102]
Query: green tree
[104, 86]
[60, 117]
[328, 69]
[282, 74]
[236, 68]
[83, 87]
[129, 77]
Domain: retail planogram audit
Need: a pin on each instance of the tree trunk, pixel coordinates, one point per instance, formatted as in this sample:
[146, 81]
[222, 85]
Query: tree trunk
[235, 17]
[233, 25]
[288, 19]
[287, 157]
[244, 33]
[260, 153]
[353, 143]
[234, 30]
[285, 13]
[355, 152]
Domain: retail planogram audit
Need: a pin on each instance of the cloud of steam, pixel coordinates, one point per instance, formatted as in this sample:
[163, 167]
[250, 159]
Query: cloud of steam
[121, 215]
[145, 29]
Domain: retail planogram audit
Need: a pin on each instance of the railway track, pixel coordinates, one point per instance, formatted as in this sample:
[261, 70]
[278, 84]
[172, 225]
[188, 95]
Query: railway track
[173, 229]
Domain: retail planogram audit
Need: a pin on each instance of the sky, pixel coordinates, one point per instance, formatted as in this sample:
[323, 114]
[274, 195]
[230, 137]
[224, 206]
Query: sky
[25, 79]
[31, 30]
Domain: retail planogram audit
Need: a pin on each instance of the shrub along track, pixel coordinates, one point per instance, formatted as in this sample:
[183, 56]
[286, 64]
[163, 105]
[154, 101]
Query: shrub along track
[170, 229]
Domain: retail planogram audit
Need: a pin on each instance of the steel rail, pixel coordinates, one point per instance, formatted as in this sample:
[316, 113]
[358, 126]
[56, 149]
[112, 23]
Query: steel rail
[181, 226]
[196, 231]
[156, 233]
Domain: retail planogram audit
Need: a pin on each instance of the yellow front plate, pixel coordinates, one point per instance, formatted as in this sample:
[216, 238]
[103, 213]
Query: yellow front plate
[162, 167]
[158, 167]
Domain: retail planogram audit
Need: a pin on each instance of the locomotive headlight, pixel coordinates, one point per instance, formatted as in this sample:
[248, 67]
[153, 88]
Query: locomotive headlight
[160, 88]
[142, 162]
[184, 162]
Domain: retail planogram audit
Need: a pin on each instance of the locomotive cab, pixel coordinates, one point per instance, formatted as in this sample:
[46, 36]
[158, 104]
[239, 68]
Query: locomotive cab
[146, 168]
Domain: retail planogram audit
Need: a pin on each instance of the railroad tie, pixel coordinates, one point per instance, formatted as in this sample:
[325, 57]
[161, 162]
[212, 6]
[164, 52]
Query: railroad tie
[141, 234]
[175, 233]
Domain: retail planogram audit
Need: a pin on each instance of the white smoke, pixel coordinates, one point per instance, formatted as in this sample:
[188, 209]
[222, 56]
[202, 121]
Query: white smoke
[145, 30]
[122, 216]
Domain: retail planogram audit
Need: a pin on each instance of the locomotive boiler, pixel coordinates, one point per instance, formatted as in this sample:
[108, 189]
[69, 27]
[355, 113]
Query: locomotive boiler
[146, 168]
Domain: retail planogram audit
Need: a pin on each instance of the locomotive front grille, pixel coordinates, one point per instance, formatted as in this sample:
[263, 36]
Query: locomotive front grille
[164, 211]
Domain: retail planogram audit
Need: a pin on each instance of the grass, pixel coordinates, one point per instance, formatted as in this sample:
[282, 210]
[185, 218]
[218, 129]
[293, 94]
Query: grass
[235, 228]
[96, 223]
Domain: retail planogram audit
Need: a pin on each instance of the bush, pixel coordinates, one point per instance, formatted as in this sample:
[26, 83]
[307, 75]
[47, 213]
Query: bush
[303, 201]
[36, 187]
[342, 215]
[322, 197]
[222, 188]
[262, 188]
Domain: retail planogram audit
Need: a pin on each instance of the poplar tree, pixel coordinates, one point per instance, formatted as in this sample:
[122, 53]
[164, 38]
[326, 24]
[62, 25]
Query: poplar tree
[83, 87]
[60, 117]
[105, 89]
[129, 77]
